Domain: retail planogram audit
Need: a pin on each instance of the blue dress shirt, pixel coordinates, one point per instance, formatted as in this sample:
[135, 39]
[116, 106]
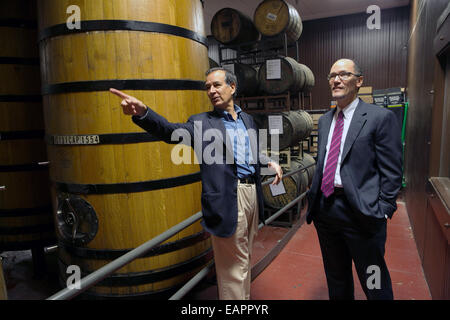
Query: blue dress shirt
[238, 135]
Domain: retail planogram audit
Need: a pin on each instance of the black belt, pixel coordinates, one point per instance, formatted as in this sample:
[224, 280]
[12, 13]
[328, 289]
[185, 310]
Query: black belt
[339, 191]
[247, 180]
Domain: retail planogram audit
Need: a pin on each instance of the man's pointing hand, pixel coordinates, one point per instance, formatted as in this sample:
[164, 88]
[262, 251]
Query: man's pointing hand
[130, 105]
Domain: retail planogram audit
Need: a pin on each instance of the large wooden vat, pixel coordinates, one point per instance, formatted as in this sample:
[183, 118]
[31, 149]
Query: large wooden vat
[115, 186]
[25, 207]
[274, 17]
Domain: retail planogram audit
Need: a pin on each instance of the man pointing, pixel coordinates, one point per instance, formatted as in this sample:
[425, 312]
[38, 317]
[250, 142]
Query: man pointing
[232, 197]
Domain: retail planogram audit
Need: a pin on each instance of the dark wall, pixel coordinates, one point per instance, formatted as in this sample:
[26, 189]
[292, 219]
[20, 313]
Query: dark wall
[421, 69]
[381, 53]
[425, 86]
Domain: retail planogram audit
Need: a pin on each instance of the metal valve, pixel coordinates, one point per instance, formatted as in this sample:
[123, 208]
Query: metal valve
[77, 222]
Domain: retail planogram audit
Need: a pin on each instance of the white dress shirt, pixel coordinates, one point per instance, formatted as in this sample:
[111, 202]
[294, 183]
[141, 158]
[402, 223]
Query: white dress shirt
[348, 115]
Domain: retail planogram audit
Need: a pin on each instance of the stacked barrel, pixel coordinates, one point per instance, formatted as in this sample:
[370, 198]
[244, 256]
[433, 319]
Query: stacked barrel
[26, 220]
[116, 186]
[294, 185]
[294, 77]
[272, 19]
[296, 126]
[275, 23]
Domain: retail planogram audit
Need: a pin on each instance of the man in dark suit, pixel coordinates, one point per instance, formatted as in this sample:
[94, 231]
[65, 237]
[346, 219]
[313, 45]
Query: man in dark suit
[232, 196]
[355, 186]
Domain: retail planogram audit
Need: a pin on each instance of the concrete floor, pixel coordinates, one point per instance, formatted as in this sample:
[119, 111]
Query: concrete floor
[22, 283]
[295, 274]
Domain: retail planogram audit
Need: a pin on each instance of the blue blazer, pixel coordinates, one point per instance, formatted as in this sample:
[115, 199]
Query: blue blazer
[219, 180]
[371, 165]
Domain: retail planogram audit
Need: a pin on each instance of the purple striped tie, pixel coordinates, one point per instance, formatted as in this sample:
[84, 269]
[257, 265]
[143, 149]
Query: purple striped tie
[333, 155]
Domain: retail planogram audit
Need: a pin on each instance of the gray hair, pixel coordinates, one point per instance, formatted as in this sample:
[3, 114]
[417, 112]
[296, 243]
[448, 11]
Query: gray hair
[229, 77]
[357, 67]
[358, 70]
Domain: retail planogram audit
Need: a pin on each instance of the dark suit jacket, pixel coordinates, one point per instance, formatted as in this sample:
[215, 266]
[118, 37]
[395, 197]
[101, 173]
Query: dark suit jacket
[219, 180]
[371, 165]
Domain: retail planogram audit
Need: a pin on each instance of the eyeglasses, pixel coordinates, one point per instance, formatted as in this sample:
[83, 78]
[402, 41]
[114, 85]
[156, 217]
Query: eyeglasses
[342, 75]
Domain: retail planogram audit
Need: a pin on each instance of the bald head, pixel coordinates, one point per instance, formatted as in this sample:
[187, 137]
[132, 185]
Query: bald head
[356, 68]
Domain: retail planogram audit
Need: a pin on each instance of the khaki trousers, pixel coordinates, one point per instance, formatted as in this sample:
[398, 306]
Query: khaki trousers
[232, 255]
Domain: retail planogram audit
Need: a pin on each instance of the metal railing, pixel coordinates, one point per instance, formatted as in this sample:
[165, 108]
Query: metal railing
[105, 271]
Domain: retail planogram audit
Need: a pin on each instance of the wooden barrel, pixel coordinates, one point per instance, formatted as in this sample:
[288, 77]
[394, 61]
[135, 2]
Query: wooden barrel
[274, 17]
[294, 185]
[26, 219]
[307, 175]
[297, 126]
[279, 201]
[294, 77]
[309, 78]
[247, 78]
[116, 186]
[232, 27]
